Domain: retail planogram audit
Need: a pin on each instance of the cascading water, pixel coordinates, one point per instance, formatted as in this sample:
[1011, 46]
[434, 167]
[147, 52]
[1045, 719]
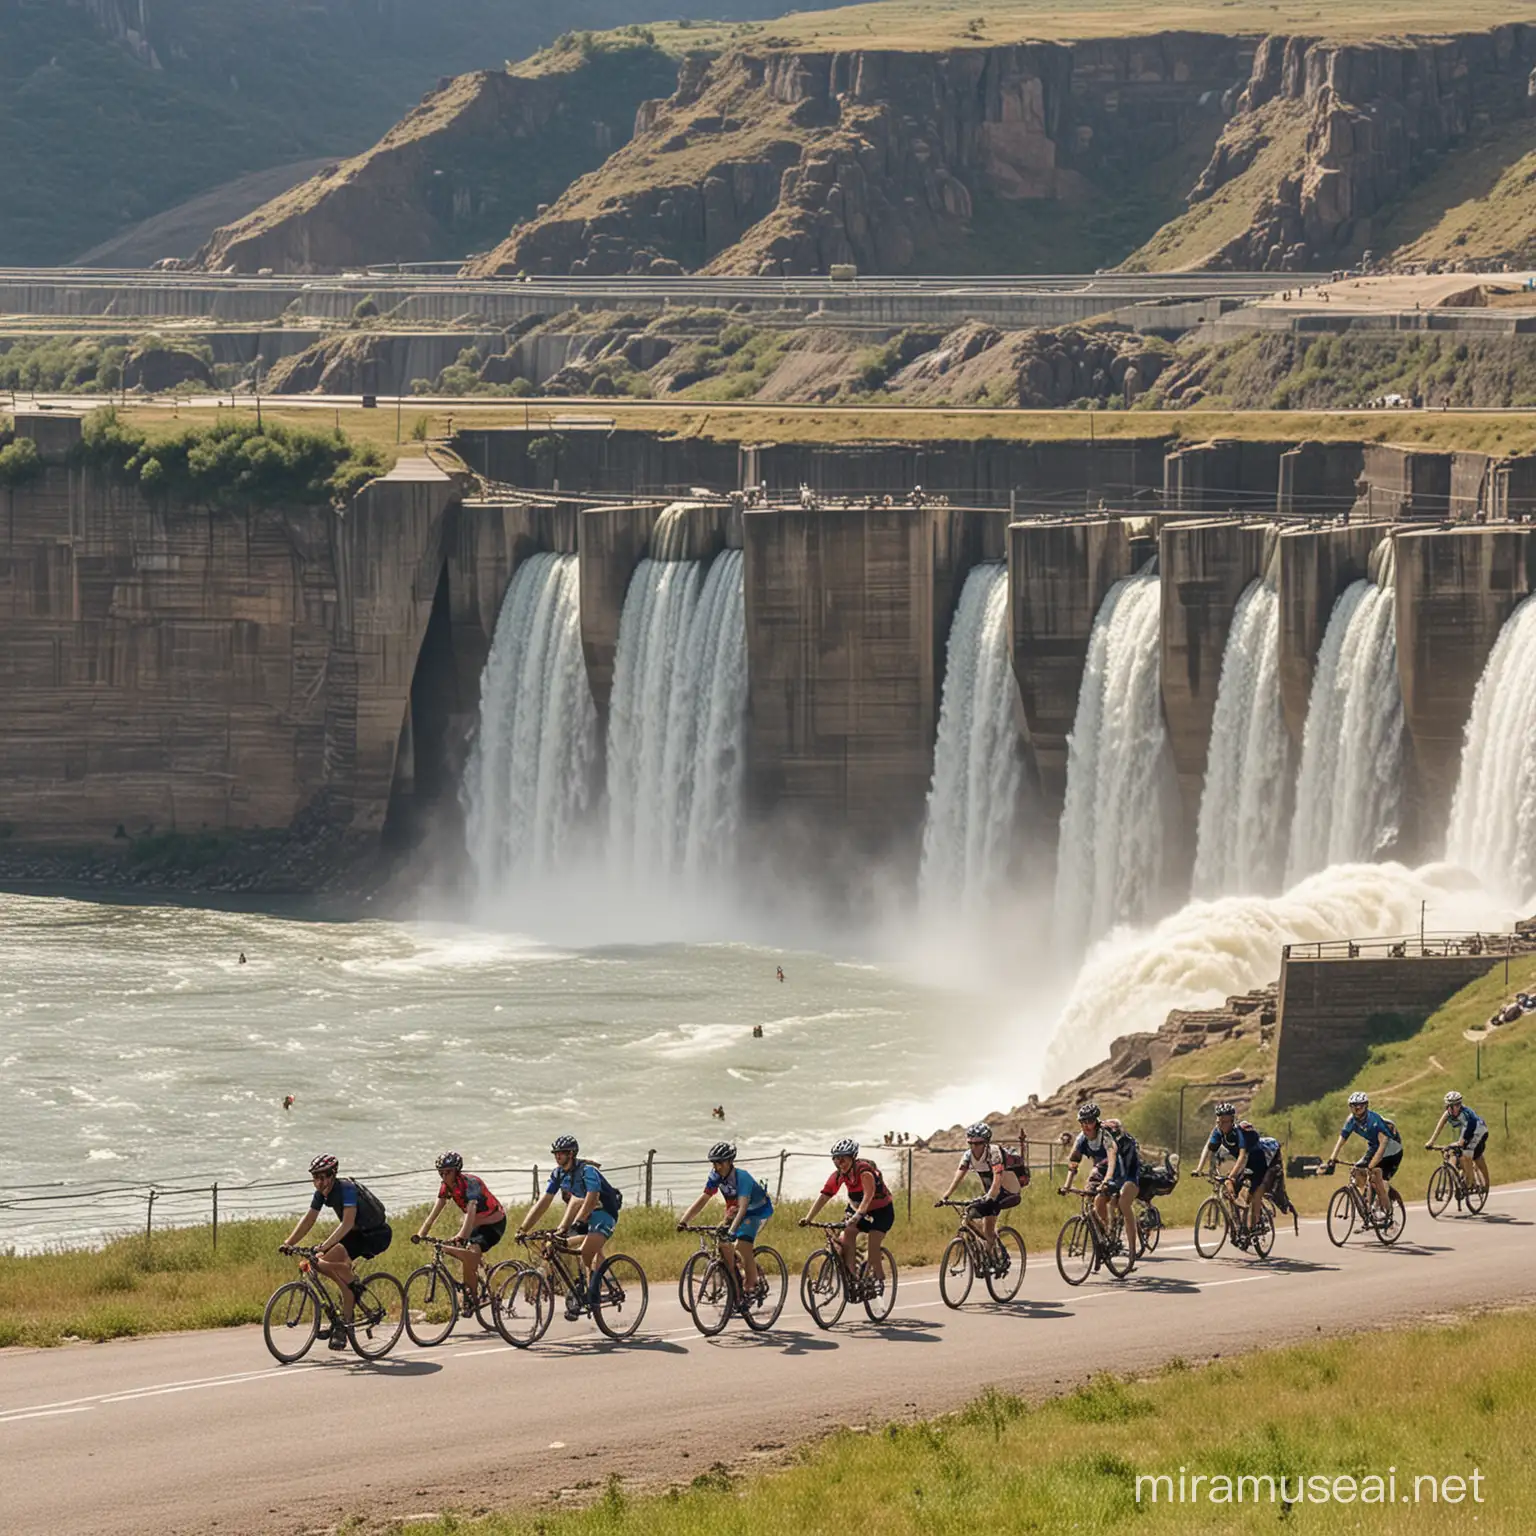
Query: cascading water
[1493, 816]
[532, 779]
[1240, 845]
[1121, 808]
[677, 721]
[1349, 789]
[970, 837]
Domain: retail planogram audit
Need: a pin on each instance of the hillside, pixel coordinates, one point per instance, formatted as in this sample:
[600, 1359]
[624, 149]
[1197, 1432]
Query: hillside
[112, 111]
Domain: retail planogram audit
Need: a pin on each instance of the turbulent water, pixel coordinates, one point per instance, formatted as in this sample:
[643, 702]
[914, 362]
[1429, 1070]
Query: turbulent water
[1493, 817]
[677, 722]
[1349, 789]
[1122, 798]
[971, 834]
[1244, 810]
[531, 785]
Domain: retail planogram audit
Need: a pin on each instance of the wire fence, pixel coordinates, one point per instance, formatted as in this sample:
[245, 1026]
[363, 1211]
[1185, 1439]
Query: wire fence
[1414, 945]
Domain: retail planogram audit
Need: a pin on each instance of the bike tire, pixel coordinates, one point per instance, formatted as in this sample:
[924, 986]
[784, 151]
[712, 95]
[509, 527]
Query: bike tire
[1006, 1286]
[956, 1273]
[761, 1316]
[1118, 1258]
[291, 1322]
[1152, 1232]
[696, 1265]
[431, 1306]
[525, 1305]
[378, 1316]
[1341, 1215]
[1210, 1227]
[822, 1288]
[622, 1295]
[878, 1308]
[1390, 1233]
[1441, 1191]
[487, 1300]
[714, 1298]
[1074, 1250]
[1477, 1197]
[1264, 1233]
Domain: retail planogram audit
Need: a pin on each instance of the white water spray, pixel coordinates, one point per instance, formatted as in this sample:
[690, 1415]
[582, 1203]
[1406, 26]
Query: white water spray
[970, 837]
[1349, 790]
[1121, 810]
[1244, 810]
[1493, 816]
[532, 780]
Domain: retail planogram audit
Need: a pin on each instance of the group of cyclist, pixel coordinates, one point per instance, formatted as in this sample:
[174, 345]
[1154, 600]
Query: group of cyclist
[591, 1205]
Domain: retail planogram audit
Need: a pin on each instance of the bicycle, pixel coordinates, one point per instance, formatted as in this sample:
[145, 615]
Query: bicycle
[710, 1287]
[1449, 1182]
[435, 1298]
[1220, 1217]
[1083, 1245]
[968, 1256]
[1350, 1206]
[827, 1285]
[291, 1322]
[622, 1289]
[1149, 1222]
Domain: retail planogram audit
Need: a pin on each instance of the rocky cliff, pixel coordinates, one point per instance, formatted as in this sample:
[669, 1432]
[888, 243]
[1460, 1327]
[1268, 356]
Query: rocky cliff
[791, 161]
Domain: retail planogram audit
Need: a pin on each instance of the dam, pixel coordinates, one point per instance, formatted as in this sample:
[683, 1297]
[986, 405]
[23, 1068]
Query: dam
[1136, 697]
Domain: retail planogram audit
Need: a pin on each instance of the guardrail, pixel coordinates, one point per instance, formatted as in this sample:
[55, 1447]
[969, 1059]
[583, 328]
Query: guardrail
[1413, 946]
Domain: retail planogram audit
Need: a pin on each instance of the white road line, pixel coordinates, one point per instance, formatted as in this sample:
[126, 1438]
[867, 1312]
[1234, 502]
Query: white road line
[43, 1413]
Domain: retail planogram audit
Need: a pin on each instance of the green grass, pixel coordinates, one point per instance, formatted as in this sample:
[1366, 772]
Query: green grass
[1429, 1403]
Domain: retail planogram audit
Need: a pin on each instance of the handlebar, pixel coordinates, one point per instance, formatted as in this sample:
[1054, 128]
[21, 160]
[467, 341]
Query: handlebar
[717, 1230]
[294, 1251]
[827, 1226]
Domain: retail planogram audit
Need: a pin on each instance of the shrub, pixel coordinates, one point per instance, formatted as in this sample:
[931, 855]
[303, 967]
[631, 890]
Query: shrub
[20, 462]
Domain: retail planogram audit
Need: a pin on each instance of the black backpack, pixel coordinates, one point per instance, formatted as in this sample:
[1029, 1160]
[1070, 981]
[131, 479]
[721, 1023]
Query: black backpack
[609, 1198]
[370, 1209]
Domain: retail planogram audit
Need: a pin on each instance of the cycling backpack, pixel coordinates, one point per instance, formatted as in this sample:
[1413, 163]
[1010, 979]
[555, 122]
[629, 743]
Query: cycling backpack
[1016, 1163]
[861, 1166]
[609, 1198]
[1391, 1130]
[370, 1209]
[1269, 1147]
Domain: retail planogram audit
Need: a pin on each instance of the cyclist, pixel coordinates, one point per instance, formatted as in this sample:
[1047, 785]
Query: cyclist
[1383, 1148]
[875, 1213]
[1116, 1169]
[1001, 1186]
[1459, 1116]
[1252, 1168]
[361, 1232]
[747, 1207]
[591, 1212]
[485, 1220]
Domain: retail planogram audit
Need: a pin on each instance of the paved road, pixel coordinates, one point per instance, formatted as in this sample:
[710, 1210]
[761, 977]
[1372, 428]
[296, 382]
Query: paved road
[198, 1431]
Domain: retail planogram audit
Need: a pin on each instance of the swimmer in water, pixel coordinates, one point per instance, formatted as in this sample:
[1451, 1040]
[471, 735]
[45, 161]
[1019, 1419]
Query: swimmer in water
[287, 1101]
[781, 973]
[242, 957]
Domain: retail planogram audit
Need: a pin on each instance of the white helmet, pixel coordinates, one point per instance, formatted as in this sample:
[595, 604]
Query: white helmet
[1453, 1100]
[1356, 1099]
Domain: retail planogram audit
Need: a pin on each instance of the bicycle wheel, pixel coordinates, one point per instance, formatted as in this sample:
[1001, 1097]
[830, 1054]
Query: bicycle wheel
[1397, 1218]
[1263, 1235]
[1074, 1250]
[713, 1298]
[1210, 1228]
[689, 1279]
[1118, 1258]
[879, 1305]
[1477, 1196]
[1152, 1229]
[622, 1294]
[761, 1312]
[1442, 1190]
[431, 1305]
[487, 1301]
[378, 1316]
[291, 1322]
[1005, 1286]
[524, 1305]
[822, 1289]
[1341, 1215]
[956, 1272]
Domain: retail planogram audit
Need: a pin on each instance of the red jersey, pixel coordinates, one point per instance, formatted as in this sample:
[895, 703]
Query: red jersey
[466, 1190]
[853, 1181]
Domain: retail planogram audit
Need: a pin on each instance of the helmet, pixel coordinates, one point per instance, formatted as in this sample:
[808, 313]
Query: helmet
[723, 1152]
[450, 1162]
[322, 1165]
[1088, 1111]
[981, 1131]
[1453, 1100]
[847, 1147]
[1226, 1109]
[565, 1144]
[1358, 1099]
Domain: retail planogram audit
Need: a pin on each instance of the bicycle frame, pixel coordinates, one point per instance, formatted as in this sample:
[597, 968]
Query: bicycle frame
[850, 1277]
[556, 1248]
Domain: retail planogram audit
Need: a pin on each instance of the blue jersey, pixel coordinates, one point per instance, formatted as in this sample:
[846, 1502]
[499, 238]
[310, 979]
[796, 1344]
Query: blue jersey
[581, 1181]
[1469, 1123]
[1373, 1130]
[1241, 1138]
[739, 1185]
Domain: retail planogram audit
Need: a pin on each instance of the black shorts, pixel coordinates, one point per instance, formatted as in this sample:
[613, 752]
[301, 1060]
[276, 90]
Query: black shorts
[990, 1205]
[369, 1244]
[1476, 1148]
[881, 1219]
[488, 1236]
[1125, 1173]
[1255, 1173]
[1388, 1165]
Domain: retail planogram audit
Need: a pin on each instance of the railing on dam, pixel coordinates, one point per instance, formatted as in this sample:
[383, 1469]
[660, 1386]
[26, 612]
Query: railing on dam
[1412, 946]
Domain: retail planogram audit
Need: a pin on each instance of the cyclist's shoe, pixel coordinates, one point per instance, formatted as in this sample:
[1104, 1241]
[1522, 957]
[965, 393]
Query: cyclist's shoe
[573, 1308]
[323, 1335]
[337, 1341]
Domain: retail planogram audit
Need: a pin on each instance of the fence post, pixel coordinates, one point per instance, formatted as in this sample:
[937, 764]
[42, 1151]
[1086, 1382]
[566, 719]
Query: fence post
[535, 1181]
[909, 1186]
[650, 1168]
[778, 1193]
[215, 1216]
[149, 1215]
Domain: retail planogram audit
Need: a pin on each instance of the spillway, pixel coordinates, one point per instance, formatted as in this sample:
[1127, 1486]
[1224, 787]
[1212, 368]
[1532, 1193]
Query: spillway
[1349, 788]
[1244, 808]
[531, 788]
[1492, 828]
[971, 831]
[1121, 814]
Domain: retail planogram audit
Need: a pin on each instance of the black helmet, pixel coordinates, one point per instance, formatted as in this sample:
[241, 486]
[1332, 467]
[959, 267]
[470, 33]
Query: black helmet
[450, 1162]
[1225, 1109]
[723, 1152]
[322, 1165]
[981, 1131]
[1088, 1111]
[565, 1144]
